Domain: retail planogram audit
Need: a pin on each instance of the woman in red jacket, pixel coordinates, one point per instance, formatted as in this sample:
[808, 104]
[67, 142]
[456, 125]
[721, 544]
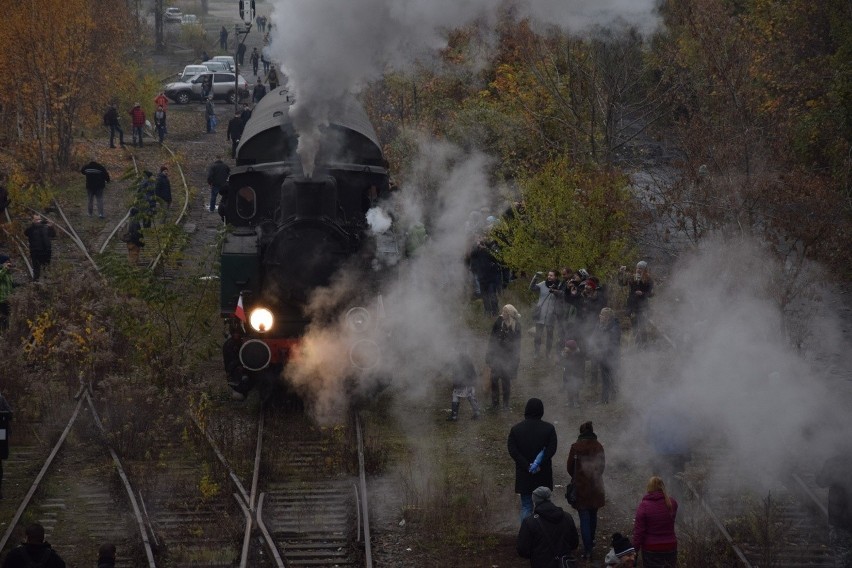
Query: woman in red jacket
[653, 528]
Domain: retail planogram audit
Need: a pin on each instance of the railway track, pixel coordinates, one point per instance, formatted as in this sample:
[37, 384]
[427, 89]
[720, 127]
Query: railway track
[783, 526]
[73, 494]
[305, 497]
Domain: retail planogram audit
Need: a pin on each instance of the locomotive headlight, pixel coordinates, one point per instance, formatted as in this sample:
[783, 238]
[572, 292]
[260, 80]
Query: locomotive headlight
[261, 319]
[358, 319]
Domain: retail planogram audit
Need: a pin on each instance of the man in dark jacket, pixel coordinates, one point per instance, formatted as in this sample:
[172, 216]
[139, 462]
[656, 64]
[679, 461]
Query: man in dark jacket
[96, 179]
[606, 349]
[163, 189]
[235, 132]
[217, 177]
[246, 114]
[34, 552]
[111, 120]
[39, 234]
[526, 440]
[548, 533]
[241, 54]
[254, 59]
[258, 92]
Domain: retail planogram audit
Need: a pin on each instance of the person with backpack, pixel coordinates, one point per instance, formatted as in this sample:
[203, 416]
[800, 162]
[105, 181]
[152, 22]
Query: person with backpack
[111, 121]
[40, 233]
[35, 552]
[548, 535]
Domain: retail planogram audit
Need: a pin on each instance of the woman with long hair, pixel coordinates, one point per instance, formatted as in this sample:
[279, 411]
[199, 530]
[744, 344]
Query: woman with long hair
[653, 528]
[504, 354]
[586, 464]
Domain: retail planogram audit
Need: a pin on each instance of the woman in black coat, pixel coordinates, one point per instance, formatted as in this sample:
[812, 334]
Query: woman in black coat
[504, 354]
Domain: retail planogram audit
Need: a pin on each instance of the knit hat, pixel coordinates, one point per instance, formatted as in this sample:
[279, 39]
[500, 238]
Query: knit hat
[642, 264]
[571, 344]
[540, 495]
[621, 545]
[590, 284]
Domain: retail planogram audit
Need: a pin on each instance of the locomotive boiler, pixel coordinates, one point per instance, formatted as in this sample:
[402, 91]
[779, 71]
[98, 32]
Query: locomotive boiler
[291, 234]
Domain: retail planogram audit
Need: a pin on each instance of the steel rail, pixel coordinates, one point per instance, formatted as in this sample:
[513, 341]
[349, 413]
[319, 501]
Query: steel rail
[149, 553]
[816, 500]
[231, 474]
[26, 501]
[737, 550]
[365, 512]
[19, 245]
[279, 562]
[246, 534]
[257, 454]
[76, 238]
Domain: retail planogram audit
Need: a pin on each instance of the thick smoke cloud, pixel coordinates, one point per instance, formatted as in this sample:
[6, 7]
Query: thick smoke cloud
[733, 382]
[328, 49]
[418, 327]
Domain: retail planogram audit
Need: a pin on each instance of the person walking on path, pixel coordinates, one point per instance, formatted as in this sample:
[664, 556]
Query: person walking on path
[254, 59]
[111, 120]
[163, 188]
[586, 464]
[654, 527]
[532, 444]
[245, 114]
[217, 178]
[503, 356]
[464, 385]
[241, 54]
[223, 38]
[547, 534]
[258, 92]
[235, 131]
[34, 552]
[97, 177]
[137, 123]
[40, 233]
[160, 123]
[272, 79]
[6, 285]
[210, 115]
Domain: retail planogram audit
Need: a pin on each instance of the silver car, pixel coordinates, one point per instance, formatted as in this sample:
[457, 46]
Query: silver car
[223, 88]
[215, 66]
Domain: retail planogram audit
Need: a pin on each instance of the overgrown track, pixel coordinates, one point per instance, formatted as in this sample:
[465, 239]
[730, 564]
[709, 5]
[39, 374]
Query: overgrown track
[306, 505]
[71, 494]
[784, 527]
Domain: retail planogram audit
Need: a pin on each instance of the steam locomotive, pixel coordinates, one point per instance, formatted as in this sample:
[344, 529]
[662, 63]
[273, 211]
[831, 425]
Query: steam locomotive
[292, 235]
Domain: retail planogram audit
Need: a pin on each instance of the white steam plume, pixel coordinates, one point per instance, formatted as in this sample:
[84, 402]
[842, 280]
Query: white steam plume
[328, 49]
[422, 327]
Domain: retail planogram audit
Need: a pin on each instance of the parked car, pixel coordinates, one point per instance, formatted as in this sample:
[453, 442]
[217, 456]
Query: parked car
[189, 20]
[228, 60]
[172, 15]
[223, 88]
[215, 65]
[192, 71]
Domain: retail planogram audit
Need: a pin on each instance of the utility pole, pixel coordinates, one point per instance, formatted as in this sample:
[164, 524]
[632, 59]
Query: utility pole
[159, 32]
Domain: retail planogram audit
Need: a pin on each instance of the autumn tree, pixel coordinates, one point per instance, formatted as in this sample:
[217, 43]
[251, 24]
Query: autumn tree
[65, 58]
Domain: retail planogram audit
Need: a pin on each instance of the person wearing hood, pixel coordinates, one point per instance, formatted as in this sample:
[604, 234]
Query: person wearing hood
[548, 533]
[532, 445]
[654, 527]
[34, 552]
[503, 356]
[622, 552]
[586, 464]
[106, 556]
